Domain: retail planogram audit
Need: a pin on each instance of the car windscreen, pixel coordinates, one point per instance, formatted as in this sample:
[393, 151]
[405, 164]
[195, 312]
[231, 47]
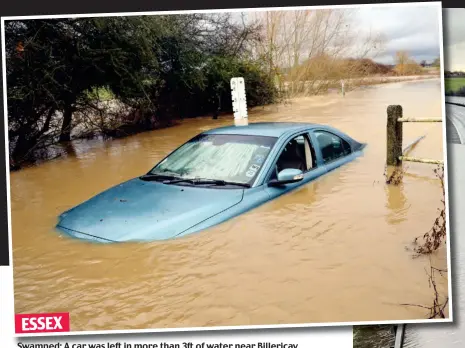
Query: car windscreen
[232, 158]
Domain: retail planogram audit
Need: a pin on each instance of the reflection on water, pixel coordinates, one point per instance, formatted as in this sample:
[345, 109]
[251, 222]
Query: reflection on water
[397, 204]
[333, 250]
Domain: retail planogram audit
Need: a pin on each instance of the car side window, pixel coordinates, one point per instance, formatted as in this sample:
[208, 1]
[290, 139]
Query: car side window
[332, 147]
[297, 154]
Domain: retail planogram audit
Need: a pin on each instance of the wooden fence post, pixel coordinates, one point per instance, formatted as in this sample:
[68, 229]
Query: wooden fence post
[394, 135]
[400, 336]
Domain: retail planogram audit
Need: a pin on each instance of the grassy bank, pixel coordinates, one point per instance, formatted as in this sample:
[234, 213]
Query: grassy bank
[453, 84]
[102, 94]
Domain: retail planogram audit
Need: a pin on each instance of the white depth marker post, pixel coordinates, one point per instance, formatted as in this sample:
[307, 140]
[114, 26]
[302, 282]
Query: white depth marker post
[239, 101]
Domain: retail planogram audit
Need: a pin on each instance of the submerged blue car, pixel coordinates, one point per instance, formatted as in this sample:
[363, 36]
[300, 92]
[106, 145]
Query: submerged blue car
[215, 176]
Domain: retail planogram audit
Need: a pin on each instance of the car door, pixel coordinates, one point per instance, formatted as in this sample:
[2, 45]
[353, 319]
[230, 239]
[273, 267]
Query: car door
[297, 152]
[332, 148]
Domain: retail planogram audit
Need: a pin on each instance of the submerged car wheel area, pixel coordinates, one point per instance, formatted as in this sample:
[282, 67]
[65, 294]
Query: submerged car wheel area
[213, 177]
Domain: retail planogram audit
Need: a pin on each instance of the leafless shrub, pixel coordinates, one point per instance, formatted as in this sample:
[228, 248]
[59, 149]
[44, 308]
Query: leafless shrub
[435, 237]
[437, 309]
[432, 240]
[101, 117]
[405, 65]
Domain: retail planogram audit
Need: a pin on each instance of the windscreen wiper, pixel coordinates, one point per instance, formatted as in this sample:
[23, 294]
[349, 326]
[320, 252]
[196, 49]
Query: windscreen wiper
[206, 182]
[157, 177]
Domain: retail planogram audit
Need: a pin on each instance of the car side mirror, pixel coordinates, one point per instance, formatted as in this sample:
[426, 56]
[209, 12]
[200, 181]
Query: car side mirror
[287, 176]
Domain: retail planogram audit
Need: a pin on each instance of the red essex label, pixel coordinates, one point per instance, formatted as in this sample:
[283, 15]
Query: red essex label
[44, 322]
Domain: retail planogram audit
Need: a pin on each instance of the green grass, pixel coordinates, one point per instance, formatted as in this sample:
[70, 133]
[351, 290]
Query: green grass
[453, 84]
[102, 93]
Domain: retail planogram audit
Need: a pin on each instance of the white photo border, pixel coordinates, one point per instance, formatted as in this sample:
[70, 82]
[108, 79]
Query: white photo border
[433, 4]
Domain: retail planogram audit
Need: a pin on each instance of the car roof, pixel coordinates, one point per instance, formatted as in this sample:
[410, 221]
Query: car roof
[270, 129]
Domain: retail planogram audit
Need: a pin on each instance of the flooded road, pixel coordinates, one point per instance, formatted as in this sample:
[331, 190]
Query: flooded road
[331, 251]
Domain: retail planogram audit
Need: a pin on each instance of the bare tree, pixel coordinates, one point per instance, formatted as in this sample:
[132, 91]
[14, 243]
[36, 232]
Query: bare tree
[406, 65]
[308, 48]
[401, 61]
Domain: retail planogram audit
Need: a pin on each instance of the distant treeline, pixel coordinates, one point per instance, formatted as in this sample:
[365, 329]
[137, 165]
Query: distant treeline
[362, 67]
[454, 74]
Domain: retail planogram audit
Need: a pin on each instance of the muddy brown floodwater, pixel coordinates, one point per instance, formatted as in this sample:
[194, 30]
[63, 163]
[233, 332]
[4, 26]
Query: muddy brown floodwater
[331, 251]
